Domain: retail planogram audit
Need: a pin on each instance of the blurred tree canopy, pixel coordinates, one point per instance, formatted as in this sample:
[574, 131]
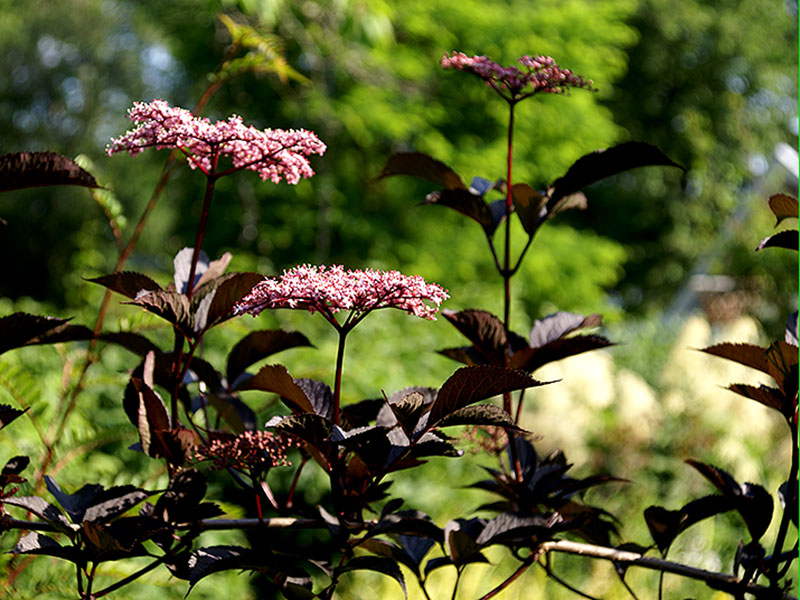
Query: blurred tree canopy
[713, 84]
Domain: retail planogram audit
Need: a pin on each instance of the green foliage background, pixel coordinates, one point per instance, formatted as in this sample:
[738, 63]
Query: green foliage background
[713, 84]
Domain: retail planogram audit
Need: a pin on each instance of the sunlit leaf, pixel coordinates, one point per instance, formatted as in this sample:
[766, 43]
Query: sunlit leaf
[423, 166]
[783, 207]
[258, 345]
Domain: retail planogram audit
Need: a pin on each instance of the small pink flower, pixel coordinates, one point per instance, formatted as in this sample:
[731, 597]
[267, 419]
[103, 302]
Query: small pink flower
[540, 74]
[274, 154]
[332, 289]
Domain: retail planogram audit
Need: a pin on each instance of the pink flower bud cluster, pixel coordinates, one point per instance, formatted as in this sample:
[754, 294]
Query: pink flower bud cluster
[247, 450]
[331, 289]
[540, 74]
[274, 154]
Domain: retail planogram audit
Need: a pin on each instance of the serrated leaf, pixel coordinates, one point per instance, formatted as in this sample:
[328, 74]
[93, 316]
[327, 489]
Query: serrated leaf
[782, 362]
[320, 396]
[484, 330]
[22, 329]
[763, 394]
[41, 508]
[783, 239]
[312, 429]
[258, 345]
[170, 306]
[8, 414]
[379, 564]
[113, 502]
[480, 414]
[748, 355]
[472, 384]
[36, 543]
[600, 164]
[205, 561]
[783, 207]
[127, 283]
[530, 359]
[20, 170]
[276, 379]
[512, 526]
[423, 166]
[557, 325]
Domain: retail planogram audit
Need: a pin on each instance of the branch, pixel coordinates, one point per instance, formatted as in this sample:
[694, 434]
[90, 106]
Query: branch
[719, 581]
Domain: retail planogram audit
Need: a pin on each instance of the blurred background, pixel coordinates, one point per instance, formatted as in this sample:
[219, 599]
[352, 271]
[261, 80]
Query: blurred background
[666, 257]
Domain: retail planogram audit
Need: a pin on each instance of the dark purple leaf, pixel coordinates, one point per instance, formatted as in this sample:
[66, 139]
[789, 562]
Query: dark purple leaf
[407, 409]
[783, 207]
[748, 355]
[782, 362]
[233, 411]
[41, 508]
[362, 413]
[201, 370]
[77, 503]
[22, 329]
[127, 283]
[170, 306]
[783, 239]
[509, 527]
[530, 359]
[308, 427]
[114, 501]
[480, 414]
[764, 394]
[751, 501]
[16, 465]
[424, 167]
[466, 355]
[391, 551]
[152, 417]
[787, 494]
[205, 561]
[36, 543]
[182, 502]
[260, 344]
[472, 384]
[320, 396]
[275, 378]
[600, 164]
[437, 563]
[416, 548]
[460, 538]
[35, 169]
[665, 525]
[486, 332]
[557, 325]
[9, 414]
[528, 204]
[407, 523]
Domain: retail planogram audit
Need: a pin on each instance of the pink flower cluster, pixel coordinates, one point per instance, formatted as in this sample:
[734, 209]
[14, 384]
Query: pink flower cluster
[540, 74]
[274, 154]
[331, 289]
[247, 450]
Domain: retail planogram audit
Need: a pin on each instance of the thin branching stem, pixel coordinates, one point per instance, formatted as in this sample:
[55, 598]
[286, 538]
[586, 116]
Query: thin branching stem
[509, 580]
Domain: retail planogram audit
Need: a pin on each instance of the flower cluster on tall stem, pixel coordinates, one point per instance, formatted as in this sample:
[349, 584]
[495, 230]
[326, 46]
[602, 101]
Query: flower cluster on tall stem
[274, 154]
[535, 75]
[329, 290]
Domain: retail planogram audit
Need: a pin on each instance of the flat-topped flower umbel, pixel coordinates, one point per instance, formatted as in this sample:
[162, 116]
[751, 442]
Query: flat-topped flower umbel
[539, 74]
[275, 154]
[329, 290]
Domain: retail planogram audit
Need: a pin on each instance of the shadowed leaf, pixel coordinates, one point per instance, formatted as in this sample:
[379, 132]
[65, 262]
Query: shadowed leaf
[600, 164]
[227, 290]
[37, 169]
[507, 527]
[530, 359]
[9, 414]
[423, 166]
[22, 329]
[763, 394]
[16, 465]
[260, 344]
[170, 306]
[783, 239]
[528, 204]
[233, 411]
[320, 396]
[748, 355]
[557, 325]
[467, 203]
[486, 332]
[472, 384]
[665, 525]
[135, 342]
[275, 378]
[480, 414]
[41, 508]
[459, 538]
[36, 543]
